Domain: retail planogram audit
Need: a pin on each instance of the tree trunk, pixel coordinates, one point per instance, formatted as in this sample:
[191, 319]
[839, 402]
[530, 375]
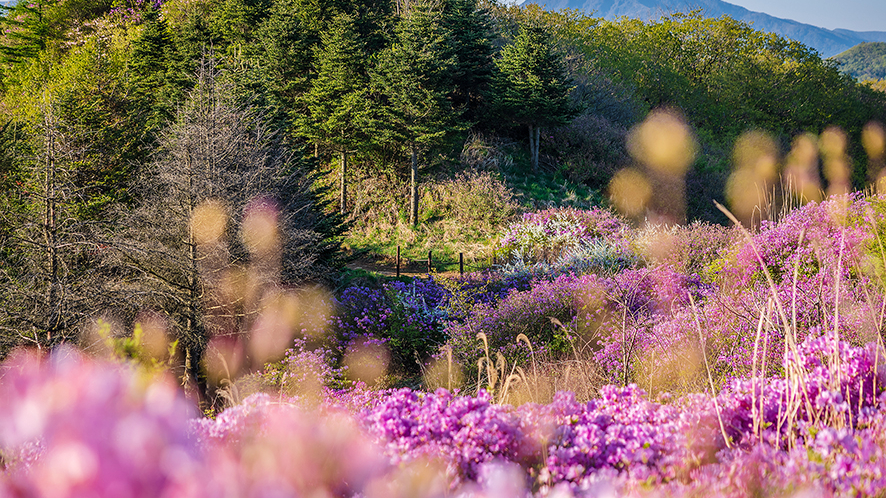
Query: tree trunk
[343, 201]
[413, 189]
[50, 223]
[533, 147]
[194, 342]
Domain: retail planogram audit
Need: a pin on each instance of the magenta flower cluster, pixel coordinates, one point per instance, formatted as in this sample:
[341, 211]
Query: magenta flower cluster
[71, 426]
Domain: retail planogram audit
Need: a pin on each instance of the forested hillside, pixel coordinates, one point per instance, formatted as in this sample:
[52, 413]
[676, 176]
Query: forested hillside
[123, 121]
[865, 61]
[192, 194]
[826, 41]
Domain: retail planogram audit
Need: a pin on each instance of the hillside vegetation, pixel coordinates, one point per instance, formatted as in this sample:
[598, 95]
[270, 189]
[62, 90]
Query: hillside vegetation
[826, 42]
[181, 182]
[865, 61]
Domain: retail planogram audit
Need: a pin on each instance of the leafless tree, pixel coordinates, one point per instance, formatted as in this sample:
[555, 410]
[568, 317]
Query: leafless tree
[226, 218]
[51, 278]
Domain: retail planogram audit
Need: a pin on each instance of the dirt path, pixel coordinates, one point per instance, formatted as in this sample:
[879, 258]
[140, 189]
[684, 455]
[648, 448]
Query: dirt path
[387, 267]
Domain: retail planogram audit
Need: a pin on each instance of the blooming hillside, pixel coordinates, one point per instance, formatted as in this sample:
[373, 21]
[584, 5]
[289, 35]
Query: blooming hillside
[600, 360]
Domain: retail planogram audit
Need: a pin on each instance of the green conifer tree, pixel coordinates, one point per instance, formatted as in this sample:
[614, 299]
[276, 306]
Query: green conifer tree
[470, 29]
[532, 87]
[337, 102]
[413, 78]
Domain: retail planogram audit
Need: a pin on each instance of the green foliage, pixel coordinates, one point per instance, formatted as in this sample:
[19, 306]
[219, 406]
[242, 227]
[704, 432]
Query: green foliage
[865, 61]
[876, 85]
[132, 348]
[532, 86]
[282, 53]
[723, 75]
[412, 79]
[470, 29]
[235, 22]
[149, 67]
[33, 27]
[104, 131]
[463, 214]
[337, 101]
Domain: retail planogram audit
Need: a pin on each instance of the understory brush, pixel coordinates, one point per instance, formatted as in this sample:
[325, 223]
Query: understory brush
[459, 214]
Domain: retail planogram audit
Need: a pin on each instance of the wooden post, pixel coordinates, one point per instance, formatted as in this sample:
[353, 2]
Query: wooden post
[398, 261]
[429, 262]
[461, 264]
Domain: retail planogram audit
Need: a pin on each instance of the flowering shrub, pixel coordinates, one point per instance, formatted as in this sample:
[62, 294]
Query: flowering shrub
[103, 430]
[268, 448]
[98, 430]
[547, 235]
[407, 317]
[813, 241]
[464, 431]
[612, 314]
[531, 312]
[779, 389]
[691, 249]
[304, 369]
[134, 10]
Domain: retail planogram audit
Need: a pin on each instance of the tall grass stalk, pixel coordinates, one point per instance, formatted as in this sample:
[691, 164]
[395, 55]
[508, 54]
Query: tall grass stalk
[794, 374]
[707, 367]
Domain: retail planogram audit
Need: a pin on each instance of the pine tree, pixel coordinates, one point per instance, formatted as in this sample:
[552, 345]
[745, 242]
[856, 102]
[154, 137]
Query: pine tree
[470, 31]
[148, 66]
[27, 30]
[531, 87]
[413, 78]
[337, 103]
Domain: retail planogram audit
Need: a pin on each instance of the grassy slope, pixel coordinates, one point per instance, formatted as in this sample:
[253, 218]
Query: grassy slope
[462, 209]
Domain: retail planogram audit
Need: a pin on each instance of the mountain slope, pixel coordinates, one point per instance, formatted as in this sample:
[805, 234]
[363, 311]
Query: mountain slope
[827, 42]
[865, 61]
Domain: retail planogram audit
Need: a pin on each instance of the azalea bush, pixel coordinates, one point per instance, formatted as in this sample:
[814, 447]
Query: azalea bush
[769, 435]
[755, 368]
[546, 236]
[407, 318]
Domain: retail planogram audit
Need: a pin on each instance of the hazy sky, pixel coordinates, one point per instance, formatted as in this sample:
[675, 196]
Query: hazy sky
[858, 15]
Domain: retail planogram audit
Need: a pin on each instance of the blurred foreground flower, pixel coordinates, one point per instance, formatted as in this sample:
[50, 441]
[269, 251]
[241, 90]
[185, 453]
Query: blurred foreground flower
[103, 430]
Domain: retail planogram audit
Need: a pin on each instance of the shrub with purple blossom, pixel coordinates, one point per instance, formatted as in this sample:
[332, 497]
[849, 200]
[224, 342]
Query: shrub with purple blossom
[820, 427]
[406, 317]
[465, 431]
[304, 369]
[101, 430]
[613, 315]
[546, 236]
[134, 10]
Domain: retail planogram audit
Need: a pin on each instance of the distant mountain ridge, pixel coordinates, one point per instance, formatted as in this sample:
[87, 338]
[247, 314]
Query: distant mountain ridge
[827, 42]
